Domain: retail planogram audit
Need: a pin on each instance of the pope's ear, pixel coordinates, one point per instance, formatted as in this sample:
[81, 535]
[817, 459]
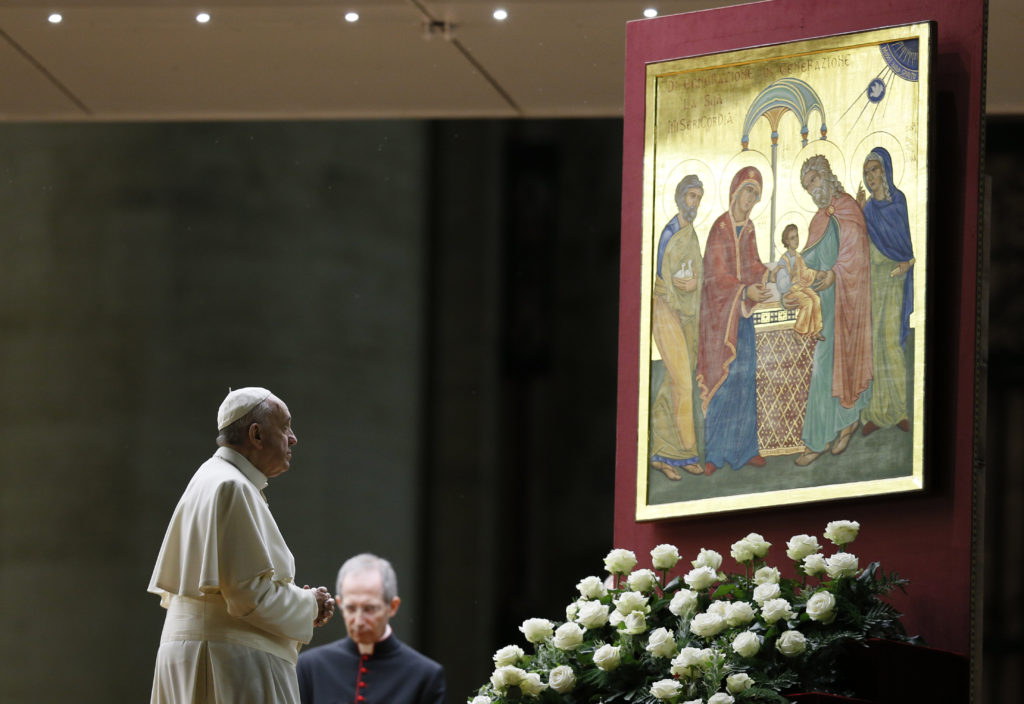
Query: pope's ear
[254, 433]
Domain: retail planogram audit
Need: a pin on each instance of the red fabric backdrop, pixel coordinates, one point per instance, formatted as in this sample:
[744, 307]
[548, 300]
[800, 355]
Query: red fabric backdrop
[926, 536]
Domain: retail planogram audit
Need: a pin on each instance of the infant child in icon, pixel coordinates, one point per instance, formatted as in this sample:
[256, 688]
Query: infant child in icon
[795, 282]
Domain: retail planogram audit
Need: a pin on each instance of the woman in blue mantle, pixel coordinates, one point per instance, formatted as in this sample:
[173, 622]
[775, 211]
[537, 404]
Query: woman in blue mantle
[892, 293]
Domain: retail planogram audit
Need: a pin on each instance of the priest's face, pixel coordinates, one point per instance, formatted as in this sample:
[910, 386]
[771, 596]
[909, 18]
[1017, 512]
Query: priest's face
[363, 607]
[276, 440]
[819, 189]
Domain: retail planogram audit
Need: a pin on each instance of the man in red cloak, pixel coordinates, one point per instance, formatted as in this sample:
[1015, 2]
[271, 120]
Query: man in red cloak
[837, 244]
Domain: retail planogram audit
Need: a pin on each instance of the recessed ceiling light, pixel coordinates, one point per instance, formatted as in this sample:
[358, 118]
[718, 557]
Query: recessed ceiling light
[500, 14]
[351, 16]
[203, 17]
[650, 12]
[55, 18]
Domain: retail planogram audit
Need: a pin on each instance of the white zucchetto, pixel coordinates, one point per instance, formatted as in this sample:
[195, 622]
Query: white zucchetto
[239, 402]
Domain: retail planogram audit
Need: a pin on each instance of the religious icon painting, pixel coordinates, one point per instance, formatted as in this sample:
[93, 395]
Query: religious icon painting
[782, 325]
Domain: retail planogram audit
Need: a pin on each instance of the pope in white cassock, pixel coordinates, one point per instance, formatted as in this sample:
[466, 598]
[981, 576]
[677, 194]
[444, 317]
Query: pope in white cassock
[235, 617]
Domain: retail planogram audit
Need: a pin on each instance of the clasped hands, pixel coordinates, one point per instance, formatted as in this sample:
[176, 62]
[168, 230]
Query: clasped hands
[324, 605]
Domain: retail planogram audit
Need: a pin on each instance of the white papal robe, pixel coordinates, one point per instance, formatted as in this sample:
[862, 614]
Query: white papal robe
[235, 617]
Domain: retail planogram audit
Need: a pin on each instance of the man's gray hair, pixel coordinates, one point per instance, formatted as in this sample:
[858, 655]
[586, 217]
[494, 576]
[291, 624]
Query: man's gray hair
[875, 156]
[366, 562]
[237, 432]
[819, 164]
[688, 183]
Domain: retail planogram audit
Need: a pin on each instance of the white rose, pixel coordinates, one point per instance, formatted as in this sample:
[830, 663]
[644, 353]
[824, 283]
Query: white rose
[531, 685]
[764, 575]
[562, 679]
[740, 682]
[814, 564]
[635, 623]
[791, 643]
[592, 614]
[571, 610]
[607, 657]
[693, 701]
[661, 643]
[842, 564]
[629, 602]
[708, 558]
[684, 603]
[766, 591]
[642, 581]
[707, 625]
[664, 557]
[700, 578]
[800, 546]
[718, 608]
[775, 609]
[620, 561]
[507, 676]
[742, 551]
[666, 689]
[536, 630]
[693, 657]
[822, 607]
[746, 644]
[760, 544]
[509, 655]
[721, 698]
[739, 613]
[569, 636]
[616, 619]
[480, 699]
[842, 532]
[591, 588]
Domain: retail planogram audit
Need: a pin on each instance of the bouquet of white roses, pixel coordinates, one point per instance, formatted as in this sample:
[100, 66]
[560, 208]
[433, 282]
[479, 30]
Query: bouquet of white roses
[706, 637]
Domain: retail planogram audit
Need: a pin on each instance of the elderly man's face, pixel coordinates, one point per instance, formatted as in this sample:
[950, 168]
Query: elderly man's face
[363, 607]
[691, 201]
[820, 191]
[276, 438]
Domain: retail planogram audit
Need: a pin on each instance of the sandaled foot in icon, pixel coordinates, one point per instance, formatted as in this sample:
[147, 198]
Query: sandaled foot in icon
[668, 470]
[844, 437]
[809, 456]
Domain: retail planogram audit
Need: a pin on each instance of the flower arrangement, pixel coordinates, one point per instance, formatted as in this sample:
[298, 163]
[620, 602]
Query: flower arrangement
[706, 637]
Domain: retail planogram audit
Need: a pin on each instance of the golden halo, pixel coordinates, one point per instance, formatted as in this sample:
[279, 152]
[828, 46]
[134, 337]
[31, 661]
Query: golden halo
[743, 159]
[877, 139]
[836, 160]
[667, 208]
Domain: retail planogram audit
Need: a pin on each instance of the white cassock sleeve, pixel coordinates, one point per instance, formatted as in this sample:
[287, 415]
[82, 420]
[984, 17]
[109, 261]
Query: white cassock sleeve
[223, 539]
[268, 599]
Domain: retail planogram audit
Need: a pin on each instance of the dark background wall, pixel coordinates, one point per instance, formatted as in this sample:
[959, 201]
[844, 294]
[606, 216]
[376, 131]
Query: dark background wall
[434, 301]
[437, 303]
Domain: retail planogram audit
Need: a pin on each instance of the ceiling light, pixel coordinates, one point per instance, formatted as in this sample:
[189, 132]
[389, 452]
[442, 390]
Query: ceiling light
[650, 12]
[351, 16]
[55, 18]
[500, 14]
[203, 17]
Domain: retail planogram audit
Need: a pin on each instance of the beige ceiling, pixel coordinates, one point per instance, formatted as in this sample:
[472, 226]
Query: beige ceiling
[281, 59]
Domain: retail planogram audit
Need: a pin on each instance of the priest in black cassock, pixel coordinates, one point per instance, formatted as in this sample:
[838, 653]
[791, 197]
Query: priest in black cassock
[370, 666]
